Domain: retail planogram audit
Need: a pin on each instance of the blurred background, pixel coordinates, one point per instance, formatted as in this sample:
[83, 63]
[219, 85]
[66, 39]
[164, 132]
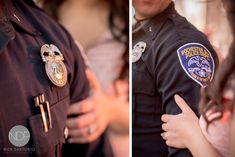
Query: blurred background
[209, 17]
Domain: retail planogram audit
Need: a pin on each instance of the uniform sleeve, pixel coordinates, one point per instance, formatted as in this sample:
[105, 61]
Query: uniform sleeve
[79, 86]
[4, 37]
[172, 78]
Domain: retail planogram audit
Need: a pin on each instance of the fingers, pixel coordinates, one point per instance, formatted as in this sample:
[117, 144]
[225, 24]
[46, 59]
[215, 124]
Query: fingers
[167, 117]
[165, 135]
[81, 121]
[168, 121]
[165, 127]
[83, 132]
[172, 141]
[181, 103]
[83, 129]
[84, 106]
[85, 139]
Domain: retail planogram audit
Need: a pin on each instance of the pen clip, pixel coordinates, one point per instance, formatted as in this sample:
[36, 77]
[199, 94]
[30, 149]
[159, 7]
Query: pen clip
[49, 114]
[39, 101]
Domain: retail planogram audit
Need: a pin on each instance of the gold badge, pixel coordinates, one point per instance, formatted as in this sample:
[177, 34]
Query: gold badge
[54, 65]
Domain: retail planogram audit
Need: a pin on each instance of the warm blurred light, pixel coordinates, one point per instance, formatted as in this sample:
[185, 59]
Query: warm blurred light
[209, 17]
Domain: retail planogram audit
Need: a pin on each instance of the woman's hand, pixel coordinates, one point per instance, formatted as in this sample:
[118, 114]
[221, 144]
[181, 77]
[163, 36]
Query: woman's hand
[97, 112]
[92, 120]
[179, 129]
[183, 131]
[93, 114]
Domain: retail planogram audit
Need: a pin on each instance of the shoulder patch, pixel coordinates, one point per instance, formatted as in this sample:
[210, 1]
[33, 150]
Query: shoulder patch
[197, 62]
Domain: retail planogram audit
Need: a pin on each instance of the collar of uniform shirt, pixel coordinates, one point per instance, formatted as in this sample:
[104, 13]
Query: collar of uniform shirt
[6, 29]
[9, 16]
[15, 15]
[153, 25]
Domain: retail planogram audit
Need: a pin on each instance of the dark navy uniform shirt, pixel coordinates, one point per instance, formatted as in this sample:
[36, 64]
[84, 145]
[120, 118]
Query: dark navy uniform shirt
[178, 59]
[23, 30]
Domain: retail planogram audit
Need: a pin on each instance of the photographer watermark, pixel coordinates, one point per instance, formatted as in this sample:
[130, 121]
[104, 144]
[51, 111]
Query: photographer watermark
[19, 136]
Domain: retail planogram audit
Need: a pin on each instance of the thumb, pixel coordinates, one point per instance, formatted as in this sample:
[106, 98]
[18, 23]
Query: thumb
[182, 104]
[92, 80]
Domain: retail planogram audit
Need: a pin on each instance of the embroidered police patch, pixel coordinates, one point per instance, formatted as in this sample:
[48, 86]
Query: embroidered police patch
[197, 62]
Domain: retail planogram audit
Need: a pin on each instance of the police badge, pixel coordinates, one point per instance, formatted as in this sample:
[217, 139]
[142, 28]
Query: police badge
[137, 51]
[197, 62]
[54, 65]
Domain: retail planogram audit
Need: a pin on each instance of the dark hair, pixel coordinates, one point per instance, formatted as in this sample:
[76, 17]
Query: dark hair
[119, 11]
[212, 95]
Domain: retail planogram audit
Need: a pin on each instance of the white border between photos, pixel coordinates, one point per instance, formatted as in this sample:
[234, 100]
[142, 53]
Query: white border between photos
[130, 78]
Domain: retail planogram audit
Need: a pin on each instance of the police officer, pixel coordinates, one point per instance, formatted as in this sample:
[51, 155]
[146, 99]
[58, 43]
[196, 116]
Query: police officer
[42, 72]
[170, 56]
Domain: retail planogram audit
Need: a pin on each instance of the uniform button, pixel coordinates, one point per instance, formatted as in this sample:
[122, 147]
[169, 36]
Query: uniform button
[66, 132]
[173, 15]
[150, 29]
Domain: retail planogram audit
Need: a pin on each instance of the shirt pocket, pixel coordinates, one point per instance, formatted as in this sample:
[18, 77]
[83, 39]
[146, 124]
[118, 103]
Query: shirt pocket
[144, 96]
[143, 81]
[47, 144]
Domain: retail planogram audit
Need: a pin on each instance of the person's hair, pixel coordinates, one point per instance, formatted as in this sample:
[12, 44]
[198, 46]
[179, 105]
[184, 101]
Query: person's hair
[212, 96]
[119, 11]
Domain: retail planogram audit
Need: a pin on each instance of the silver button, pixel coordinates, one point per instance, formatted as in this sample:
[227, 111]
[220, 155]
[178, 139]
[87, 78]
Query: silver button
[66, 132]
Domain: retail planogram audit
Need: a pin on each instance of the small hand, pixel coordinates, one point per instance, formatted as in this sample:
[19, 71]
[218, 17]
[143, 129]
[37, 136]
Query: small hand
[92, 117]
[180, 128]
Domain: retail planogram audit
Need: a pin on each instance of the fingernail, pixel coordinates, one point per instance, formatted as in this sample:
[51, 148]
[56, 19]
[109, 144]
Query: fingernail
[162, 117]
[177, 97]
